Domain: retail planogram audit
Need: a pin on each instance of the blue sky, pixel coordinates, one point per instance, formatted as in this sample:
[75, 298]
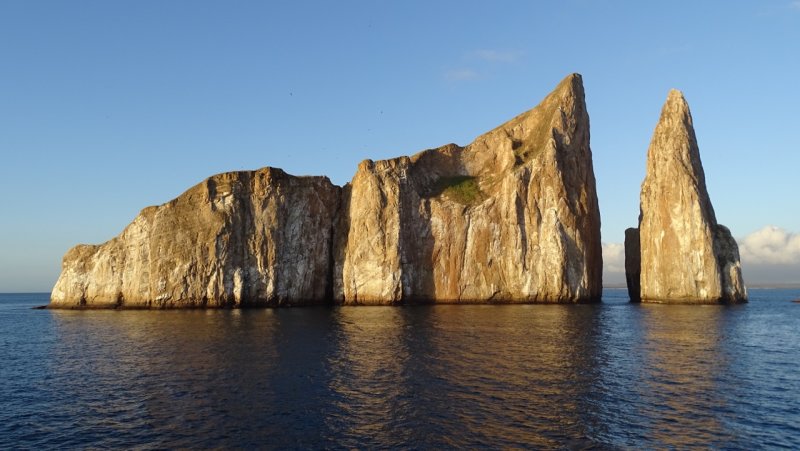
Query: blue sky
[107, 107]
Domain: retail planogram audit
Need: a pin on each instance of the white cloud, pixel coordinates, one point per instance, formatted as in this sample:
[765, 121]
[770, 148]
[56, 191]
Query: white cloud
[613, 264]
[463, 74]
[497, 56]
[770, 245]
[614, 257]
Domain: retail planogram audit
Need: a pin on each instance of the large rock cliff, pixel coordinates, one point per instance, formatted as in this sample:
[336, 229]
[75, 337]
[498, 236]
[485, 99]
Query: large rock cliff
[512, 217]
[241, 238]
[679, 253]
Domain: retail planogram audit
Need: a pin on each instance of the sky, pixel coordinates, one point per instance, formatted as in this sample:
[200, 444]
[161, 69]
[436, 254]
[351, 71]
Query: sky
[108, 107]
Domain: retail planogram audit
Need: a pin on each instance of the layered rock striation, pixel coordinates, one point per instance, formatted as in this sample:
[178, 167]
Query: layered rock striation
[241, 238]
[679, 254]
[512, 217]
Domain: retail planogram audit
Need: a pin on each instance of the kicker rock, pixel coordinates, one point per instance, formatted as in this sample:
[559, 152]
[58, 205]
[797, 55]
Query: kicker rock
[512, 217]
[679, 254]
[241, 238]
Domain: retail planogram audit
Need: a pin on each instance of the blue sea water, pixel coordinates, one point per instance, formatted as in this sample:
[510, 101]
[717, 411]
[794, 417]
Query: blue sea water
[608, 376]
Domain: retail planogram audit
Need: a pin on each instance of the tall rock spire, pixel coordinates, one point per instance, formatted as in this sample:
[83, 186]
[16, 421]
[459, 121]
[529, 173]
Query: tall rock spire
[680, 252]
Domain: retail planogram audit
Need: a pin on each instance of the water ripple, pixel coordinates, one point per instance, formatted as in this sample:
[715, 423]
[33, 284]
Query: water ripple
[608, 376]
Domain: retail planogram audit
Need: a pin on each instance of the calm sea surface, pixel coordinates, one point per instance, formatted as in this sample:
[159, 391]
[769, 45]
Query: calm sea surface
[615, 375]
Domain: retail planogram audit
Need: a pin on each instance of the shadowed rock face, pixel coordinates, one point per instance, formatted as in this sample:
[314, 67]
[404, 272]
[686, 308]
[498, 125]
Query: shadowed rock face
[683, 254]
[633, 263]
[240, 238]
[512, 217]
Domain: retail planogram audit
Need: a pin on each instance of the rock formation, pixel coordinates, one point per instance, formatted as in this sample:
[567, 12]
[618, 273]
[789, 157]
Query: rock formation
[240, 238]
[679, 253]
[632, 263]
[512, 217]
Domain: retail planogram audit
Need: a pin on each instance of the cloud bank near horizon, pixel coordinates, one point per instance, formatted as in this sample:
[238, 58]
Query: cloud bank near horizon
[770, 245]
[770, 255]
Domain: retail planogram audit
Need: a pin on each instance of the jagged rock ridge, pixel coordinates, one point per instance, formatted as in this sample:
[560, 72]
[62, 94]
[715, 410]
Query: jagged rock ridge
[679, 253]
[512, 217]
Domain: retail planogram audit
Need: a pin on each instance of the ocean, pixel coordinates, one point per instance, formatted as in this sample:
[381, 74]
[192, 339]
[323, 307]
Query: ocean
[606, 376]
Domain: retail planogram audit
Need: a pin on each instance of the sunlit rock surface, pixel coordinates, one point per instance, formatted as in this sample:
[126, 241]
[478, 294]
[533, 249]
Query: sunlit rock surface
[240, 238]
[512, 217]
[683, 255]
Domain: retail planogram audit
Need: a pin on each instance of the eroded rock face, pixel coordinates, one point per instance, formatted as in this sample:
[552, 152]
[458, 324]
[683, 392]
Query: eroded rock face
[241, 238]
[633, 263]
[512, 217]
[684, 255]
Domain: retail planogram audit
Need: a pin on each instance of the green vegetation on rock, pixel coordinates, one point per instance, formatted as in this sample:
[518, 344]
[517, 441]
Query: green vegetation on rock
[463, 189]
[535, 143]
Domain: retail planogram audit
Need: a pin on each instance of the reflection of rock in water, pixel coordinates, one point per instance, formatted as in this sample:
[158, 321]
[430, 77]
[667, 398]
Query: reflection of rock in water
[502, 374]
[544, 376]
[373, 391]
[683, 361]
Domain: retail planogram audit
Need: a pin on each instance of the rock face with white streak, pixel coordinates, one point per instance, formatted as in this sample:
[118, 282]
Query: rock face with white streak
[679, 254]
[512, 217]
[241, 238]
